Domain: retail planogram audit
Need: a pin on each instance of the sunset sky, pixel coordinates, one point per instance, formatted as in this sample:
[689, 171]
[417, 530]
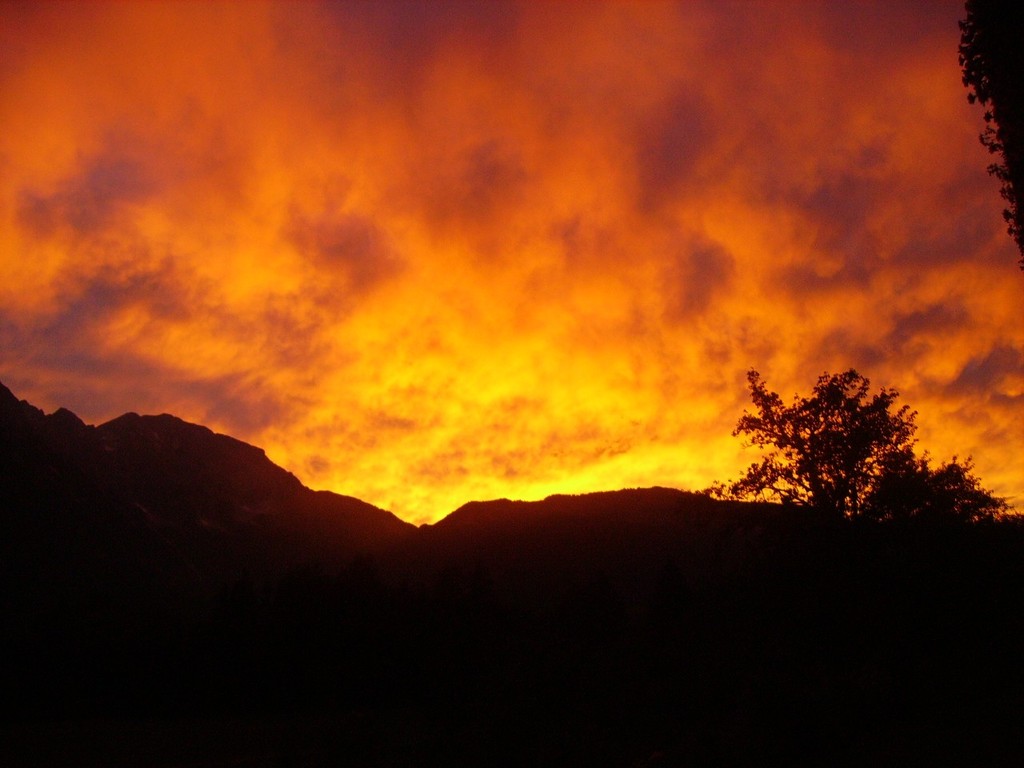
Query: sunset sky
[424, 253]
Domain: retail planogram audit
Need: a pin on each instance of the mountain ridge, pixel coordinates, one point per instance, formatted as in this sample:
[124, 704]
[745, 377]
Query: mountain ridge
[189, 493]
[210, 508]
[152, 571]
[63, 431]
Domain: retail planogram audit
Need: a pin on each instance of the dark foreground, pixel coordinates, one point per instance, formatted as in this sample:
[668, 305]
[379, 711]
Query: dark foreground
[753, 637]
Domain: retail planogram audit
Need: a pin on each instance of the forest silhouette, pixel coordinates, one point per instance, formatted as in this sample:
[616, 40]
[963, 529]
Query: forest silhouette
[170, 597]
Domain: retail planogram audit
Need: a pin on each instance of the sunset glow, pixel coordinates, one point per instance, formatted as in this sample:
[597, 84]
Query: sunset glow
[425, 253]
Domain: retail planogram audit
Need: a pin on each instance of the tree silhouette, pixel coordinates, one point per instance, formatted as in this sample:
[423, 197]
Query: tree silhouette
[992, 58]
[849, 454]
[910, 488]
[825, 451]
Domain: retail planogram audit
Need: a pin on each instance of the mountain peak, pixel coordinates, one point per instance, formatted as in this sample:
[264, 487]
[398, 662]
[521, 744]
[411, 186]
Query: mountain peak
[211, 500]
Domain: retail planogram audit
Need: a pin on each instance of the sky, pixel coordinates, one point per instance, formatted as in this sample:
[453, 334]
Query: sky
[424, 253]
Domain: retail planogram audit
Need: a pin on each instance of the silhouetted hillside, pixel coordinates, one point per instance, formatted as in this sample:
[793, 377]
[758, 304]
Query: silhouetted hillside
[113, 540]
[543, 548]
[208, 502]
[171, 597]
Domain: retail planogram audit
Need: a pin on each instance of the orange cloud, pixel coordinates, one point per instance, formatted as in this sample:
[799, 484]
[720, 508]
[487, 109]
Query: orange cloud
[430, 252]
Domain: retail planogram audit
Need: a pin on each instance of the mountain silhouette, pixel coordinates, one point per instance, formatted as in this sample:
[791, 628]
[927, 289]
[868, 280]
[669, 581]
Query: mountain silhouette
[540, 549]
[169, 596]
[165, 496]
[156, 492]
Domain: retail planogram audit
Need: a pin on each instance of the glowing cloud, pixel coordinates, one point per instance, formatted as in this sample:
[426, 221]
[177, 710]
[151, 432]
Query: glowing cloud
[430, 252]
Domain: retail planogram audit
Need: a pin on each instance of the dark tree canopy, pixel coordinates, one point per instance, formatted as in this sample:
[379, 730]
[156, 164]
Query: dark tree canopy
[851, 454]
[992, 58]
[825, 450]
[910, 488]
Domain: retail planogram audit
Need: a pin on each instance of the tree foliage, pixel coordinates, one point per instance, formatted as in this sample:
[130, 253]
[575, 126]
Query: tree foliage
[849, 453]
[992, 58]
[910, 488]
